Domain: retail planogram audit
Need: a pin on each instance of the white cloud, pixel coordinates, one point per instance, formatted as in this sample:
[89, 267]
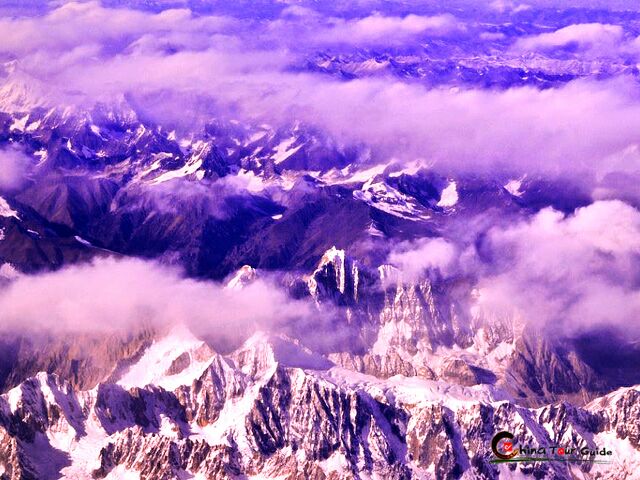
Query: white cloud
[599, 38]
[112, 294]
[178, 65]
[414, 258]
[509, 6]
[14, 165]
[86, 23]
[570, 273]
[379, 28]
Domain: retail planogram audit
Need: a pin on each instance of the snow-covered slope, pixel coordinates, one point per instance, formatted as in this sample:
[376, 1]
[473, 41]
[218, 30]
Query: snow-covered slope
[271, 410]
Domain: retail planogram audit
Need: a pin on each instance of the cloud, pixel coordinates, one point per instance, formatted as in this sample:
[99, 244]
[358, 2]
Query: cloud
[571, 273]
[508, 6]
[88, 23]
[601, 39]
[176, 65]
[111, 294]
[414, 258]
[523, 129]
[220, 199]
[14, 165]
[378, 28]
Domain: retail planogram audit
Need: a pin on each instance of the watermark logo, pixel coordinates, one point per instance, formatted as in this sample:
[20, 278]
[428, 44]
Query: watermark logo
[503, 446]
[506, 449]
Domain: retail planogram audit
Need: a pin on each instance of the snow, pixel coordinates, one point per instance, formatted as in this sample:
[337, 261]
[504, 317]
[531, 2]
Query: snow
[189, 168]
[372, 65]
[513, 187]
[336, 257]
[242, 277]
[385, 198]
[625, 457]
[610, 399]
[62, 436]
[335, 463]
[254, 183]
[22, 93]
[415, 390]
[169, 428]
[152, 367]
[506, 472]
[14, 398]
[19, 124]
[277, 217]
[263, 352]
[283, 150]
[153, 167]
[84, 452]
[256, 136]
[42, 154]
[33, 126]
[411, 168]
[449, 196]
[8, 271]
[231, 418]
[82, 241]
[374, 231]
[361, 175]
[122, 473]
[6, 210]
[388, 274]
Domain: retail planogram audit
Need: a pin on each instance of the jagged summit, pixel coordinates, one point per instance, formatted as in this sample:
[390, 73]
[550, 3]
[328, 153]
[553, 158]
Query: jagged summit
[247, 414]
[244, 276]
[262, 352]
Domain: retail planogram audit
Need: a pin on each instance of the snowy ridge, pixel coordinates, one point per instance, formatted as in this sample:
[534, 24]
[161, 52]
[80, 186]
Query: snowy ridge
[265, 416]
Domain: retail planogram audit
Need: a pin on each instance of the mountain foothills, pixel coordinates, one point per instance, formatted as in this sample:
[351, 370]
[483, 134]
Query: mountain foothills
[318, 240]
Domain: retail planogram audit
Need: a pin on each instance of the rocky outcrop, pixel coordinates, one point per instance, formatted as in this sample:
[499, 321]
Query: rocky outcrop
[257, 413]
[82, 359]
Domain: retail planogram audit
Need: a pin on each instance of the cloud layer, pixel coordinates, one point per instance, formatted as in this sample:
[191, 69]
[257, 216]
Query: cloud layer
[115, 295]
[174, 62]
[570, 273]
[178, 67]
[14, 165]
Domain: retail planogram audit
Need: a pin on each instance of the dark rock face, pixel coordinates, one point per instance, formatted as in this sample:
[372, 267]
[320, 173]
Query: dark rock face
[83, 360]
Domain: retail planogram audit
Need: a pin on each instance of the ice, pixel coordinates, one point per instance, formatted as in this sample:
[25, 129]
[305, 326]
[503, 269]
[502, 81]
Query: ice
[284, 150]
[449, 196]
[385, 198]
[6, 210]
[513, 187]
[19, 124]
[82, 241]
[153, 366]
[188, 169]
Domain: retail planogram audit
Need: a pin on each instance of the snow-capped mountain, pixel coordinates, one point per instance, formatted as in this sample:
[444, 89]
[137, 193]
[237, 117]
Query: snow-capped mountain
[275, 409]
